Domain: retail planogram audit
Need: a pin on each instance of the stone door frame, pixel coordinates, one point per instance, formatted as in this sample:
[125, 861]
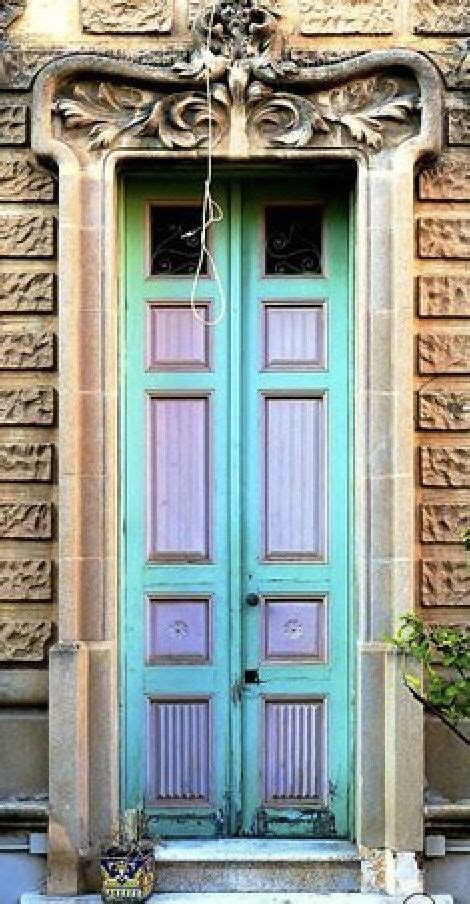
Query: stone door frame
[84, 740]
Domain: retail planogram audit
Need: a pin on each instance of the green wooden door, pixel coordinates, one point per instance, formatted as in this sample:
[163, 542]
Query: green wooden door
[235, 455]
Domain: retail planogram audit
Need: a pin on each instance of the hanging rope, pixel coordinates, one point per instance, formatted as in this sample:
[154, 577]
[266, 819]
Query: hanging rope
[212, 212]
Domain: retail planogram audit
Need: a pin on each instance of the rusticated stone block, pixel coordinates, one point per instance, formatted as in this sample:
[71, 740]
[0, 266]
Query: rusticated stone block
[129, 17]
[444, 523]
[453, 60]
[24, 641]
[441, 353]
[25, 579]
[23, 180]
[442, 409]
[28, 235]
[26, 351]
[444, 296]
[13, 124]
[27, 406]
[459, 126]
[25, 520]
[445, 466]
[448, 180]
[441, 17]
[26, 461]
[19, 66]
[9, 11]
[26, 292]
[445, 583]
[343, 17]
[444, 237]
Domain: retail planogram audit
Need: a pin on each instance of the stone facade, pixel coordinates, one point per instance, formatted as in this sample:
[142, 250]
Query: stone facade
[361, 110]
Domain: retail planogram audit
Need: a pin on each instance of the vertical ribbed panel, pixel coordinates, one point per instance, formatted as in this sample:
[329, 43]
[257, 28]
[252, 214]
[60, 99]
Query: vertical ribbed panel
[179, 750]
[176, 337]
[294, 478]
[294, 336]
[294, 750]
[179, 478]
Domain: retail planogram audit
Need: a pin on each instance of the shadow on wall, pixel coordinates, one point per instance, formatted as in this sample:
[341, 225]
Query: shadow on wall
[19, 873]
[449, 875]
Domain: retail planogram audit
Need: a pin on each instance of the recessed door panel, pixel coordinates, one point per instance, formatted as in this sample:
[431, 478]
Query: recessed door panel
[179, 490]
[294, 479]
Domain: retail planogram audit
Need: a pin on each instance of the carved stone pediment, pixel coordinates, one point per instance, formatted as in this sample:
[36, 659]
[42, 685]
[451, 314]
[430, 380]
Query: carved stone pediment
[259, 100]
[367, 112]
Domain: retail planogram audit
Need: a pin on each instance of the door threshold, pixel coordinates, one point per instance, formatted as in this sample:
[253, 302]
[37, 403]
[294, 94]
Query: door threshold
[241, 850]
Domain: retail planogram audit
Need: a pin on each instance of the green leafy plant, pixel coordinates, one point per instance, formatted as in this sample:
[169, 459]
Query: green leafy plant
[444, 653]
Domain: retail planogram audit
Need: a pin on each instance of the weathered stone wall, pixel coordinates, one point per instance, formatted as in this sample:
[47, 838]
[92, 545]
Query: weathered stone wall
[37, 31]
[443, 369]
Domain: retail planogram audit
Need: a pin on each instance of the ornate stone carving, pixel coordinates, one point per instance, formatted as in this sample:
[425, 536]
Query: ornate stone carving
[9, 11]
[13, 123]
[445, 582]
[26, 351]
[441, 353]
[444, 237]
[26, 461]
[25, 579]
[356, 17]
[444, 523]
[25, 520]
[250, 102]
[26, 292]
[448, 180]
[444, 409]
[112, 115]
[27, 406]
[444, 296]
[441, 17]
[454, 62]
[27, 235]
[459, 126]
[361, 111]
[127, 16]
[24, 641]
[445, 466]
[23, 180]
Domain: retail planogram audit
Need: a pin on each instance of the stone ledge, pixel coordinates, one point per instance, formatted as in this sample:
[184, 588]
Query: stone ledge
[245, 898]
[250, 850]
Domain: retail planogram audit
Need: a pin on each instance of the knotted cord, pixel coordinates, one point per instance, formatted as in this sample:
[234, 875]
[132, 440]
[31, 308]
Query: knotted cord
[212, 212]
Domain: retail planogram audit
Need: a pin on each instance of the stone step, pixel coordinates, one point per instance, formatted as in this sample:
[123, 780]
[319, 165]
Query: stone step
[245, 898]
[257, 865]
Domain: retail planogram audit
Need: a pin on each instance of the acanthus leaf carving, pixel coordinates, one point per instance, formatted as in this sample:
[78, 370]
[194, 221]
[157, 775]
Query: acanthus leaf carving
[110, 113]
[360, 107]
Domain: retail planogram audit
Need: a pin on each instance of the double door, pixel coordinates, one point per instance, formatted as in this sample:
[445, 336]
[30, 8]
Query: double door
[235, 686]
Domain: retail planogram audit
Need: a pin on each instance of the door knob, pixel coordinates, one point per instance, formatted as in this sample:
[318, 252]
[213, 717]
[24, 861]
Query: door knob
[251, 676]
[252, 599]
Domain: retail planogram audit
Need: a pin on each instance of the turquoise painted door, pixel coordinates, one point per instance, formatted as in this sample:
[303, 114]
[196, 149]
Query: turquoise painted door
[235, 558]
